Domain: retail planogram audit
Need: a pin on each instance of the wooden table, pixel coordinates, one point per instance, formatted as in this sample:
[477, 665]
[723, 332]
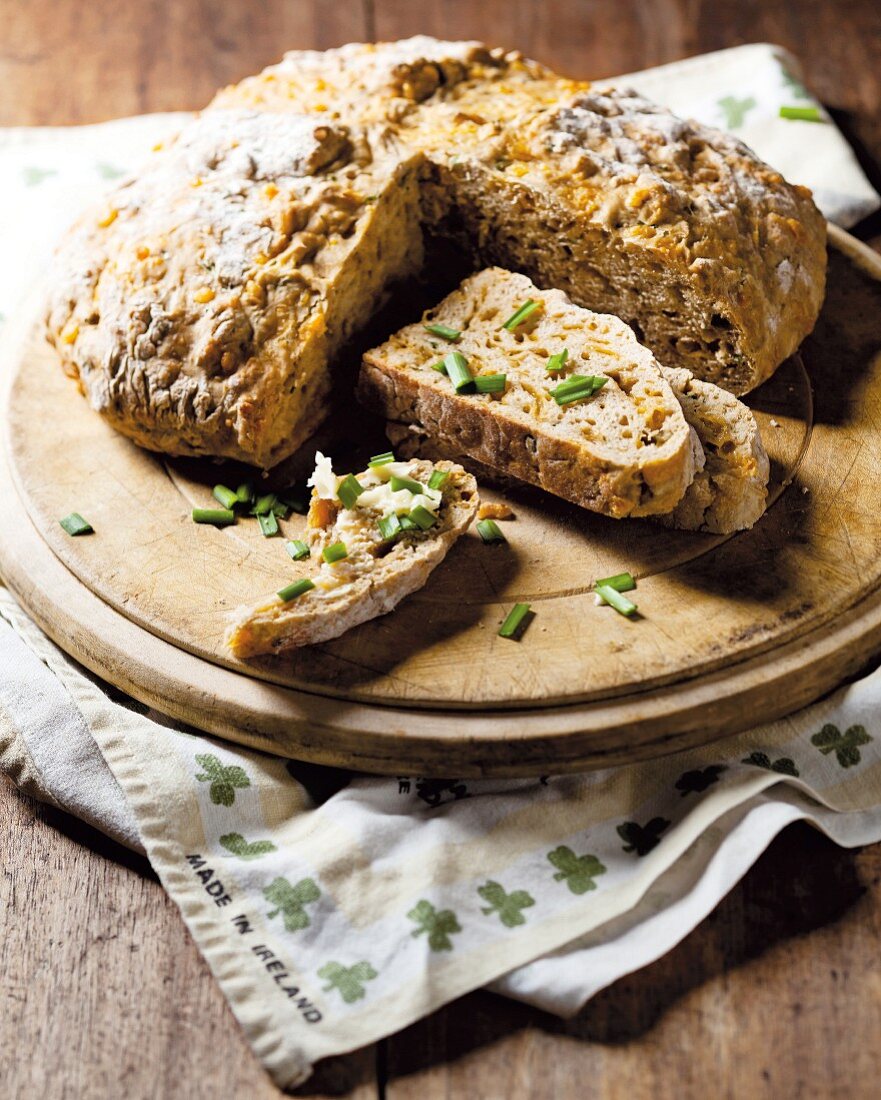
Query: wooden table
[102, 993]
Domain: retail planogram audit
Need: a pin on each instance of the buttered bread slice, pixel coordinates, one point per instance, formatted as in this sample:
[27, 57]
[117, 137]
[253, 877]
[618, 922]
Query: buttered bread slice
[522, 381]
[374, 538]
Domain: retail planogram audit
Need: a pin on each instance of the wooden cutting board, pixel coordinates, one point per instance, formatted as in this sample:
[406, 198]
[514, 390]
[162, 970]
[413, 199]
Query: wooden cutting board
[732, 631]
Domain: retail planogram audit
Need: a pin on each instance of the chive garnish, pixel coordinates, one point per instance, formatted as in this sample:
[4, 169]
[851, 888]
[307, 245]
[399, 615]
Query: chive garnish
[219, 517]
[225, 496]
[245, 493]
[422, 517]
[621, 582]
[458, 372]
[335, 553]
[489, 531]
[407, 524]
[438, 479]
[349, 489]
[520, 315]
[382, 460]
[558, 361]
[280, 509]
[264, 504]
[621, 604]
[398, 483]
[74, 524]
[297, 549]
[440, 367]
[444, 331]
[804, 114]
[268, 524]
[514, 624]
[295, 589]
[490, 383]
[577, 387]
[389, 526]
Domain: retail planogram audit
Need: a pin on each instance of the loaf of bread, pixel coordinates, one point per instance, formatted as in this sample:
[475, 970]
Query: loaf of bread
[202, 307]
[379, 569]
[624, 451]
[729, 466]
[679, 229]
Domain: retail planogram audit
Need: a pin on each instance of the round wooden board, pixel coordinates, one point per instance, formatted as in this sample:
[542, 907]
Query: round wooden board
[733, 631]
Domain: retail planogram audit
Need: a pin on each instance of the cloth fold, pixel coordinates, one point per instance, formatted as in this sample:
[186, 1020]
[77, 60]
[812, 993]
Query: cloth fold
[335, 909]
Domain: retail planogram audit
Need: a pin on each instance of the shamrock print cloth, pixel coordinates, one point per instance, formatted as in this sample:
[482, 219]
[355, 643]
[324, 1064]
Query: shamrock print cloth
[334, 909]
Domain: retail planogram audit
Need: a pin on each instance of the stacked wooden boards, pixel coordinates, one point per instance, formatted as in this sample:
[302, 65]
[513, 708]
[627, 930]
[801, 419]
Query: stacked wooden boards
[732, 632]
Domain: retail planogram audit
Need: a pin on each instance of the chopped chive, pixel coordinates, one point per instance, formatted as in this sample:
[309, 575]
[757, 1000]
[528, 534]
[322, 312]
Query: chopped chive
[264, 504]
[520, 315]
[804, 114]
[225, 496]
[621, 604]
[297, 500]
[558, 361]
[440, 367]
[514, 623]
[407, 524]
[438, 479]
[489, 531]
[382, 460]
[490, 383]
[389, 526]
[398, 483]
[577, 387]
[444, 331]
[422, 517]
[268, 524]
[621, 582]
[295, 589]
[245, 493]
[458, 372]
[74, 524]
[348, 490]
[297, 549]
[219, 517]
[335, 553]
[280, 509]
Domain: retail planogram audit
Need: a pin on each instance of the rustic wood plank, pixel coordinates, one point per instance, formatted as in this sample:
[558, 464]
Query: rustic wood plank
[104, 994]
[775, 995]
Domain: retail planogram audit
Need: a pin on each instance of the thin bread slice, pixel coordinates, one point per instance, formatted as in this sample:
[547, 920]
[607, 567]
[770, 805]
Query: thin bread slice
[377, 572]
[731, 491]
[624, 451]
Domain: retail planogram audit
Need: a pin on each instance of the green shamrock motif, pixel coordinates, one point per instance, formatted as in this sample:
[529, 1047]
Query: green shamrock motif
[236, 843]
[844, 745]
[578, 872]
[290, 901]
[694, 782]
[508, 906]
[108, 171]
[224, 779]
[34, 176]
[347, 980]
[642, 838]
[784, 765]
[439, 925]
[735, 110]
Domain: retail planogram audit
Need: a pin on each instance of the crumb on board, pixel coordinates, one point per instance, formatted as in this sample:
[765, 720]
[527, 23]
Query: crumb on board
[773, 423]
[494, 510]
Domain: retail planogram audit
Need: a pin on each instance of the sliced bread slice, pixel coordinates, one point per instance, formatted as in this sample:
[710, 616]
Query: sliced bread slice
[730, 492]
[379, 567]
[625, 450]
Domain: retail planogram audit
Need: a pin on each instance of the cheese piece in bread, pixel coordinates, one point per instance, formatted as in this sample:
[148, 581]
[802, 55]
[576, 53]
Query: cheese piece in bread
[624, 451]
[379, 568]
